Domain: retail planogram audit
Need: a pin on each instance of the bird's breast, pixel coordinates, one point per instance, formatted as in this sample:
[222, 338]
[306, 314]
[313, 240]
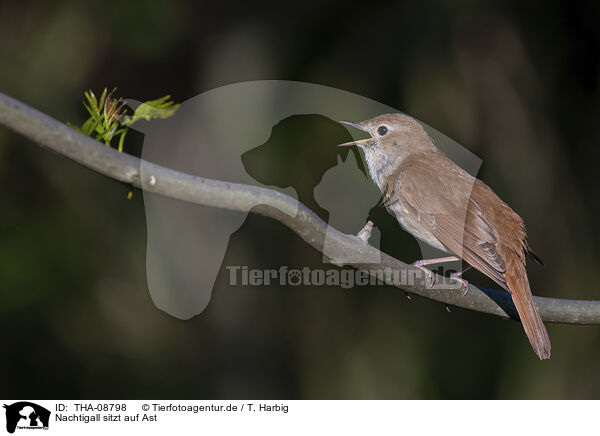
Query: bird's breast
[413, 223]
[381, 170]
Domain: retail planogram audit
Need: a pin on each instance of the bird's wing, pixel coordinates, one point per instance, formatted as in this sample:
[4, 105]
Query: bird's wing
[446, 207]
[466, 216]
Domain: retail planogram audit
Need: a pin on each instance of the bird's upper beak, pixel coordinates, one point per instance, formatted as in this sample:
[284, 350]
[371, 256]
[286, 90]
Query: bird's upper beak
[356, 126]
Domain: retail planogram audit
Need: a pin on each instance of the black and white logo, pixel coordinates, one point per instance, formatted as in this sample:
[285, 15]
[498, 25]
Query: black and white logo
[26, 415]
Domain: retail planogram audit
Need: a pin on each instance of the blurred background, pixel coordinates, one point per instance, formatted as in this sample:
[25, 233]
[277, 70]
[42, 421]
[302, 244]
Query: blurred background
[517, 84]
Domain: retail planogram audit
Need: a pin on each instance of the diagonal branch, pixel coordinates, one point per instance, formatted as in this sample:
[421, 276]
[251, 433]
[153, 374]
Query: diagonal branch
[56, 136]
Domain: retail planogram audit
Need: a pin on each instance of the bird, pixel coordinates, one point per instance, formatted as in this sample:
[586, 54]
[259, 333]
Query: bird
[441, 204]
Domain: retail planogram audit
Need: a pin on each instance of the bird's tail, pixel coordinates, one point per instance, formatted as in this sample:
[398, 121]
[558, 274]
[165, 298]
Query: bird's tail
[516, 279]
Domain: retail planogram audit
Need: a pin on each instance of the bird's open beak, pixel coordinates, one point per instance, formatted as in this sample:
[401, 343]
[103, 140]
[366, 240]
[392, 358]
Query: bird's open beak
[356, 126]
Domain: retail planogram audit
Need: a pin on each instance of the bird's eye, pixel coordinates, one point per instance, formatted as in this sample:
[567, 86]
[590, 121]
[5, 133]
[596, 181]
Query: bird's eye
[382, 130]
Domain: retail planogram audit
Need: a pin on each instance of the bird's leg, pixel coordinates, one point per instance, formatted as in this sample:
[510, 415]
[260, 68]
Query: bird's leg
[422, 263]
[456, 276]
[365, 233]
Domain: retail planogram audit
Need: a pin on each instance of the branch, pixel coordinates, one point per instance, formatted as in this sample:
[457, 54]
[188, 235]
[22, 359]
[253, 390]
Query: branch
[56, 136]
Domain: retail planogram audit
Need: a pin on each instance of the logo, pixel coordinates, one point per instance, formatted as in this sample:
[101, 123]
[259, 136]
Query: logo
[278, 124]
[26, 415]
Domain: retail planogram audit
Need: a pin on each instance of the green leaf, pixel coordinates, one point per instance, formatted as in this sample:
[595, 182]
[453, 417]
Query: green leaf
[108, 120]
[153, 109]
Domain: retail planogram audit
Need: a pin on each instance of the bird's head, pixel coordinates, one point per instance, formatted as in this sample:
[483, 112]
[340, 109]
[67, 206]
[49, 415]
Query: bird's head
[390, 134]
[393, 137]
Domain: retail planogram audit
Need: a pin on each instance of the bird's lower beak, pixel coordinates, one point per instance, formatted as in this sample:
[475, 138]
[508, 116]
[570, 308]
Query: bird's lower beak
[351, 143]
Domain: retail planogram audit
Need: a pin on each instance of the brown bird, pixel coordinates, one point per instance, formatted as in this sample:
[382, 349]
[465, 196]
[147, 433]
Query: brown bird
[438, 202]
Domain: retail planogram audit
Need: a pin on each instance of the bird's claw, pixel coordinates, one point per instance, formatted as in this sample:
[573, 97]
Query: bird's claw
[428, 273]
[457, 278]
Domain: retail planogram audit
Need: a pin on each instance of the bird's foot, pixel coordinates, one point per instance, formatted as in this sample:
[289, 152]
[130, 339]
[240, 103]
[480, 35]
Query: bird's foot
[421, 265]
[365, 233]
[456, 276]
[428, 273]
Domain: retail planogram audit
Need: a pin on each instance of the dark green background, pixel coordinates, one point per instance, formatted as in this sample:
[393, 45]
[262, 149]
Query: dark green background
[517, 83]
